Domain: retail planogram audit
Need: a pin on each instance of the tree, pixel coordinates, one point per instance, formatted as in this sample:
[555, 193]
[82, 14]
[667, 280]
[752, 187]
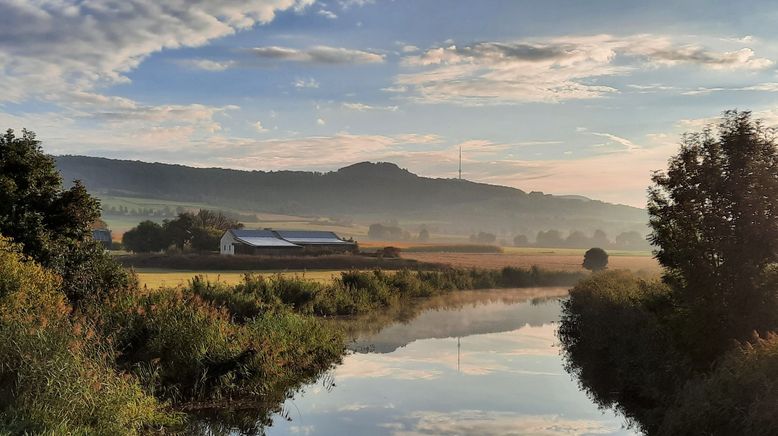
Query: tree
[595, 259]
[424, 234]
[550, 239]
[577, 239]
[714, 221]
[53, 224]
[483, 238]
[630, 240]
[600, 239]
[520, 241]
[146, 237]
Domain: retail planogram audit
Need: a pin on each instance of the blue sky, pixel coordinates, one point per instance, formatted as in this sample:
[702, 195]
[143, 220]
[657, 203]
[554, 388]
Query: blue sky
[565, 97]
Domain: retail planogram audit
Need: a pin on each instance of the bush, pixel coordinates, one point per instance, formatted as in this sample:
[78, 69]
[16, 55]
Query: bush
[55, 375]
[616, 342]
[595, 259]
[740, 396]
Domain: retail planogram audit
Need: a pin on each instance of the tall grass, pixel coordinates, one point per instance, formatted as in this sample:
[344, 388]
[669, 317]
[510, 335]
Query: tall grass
[355, 292]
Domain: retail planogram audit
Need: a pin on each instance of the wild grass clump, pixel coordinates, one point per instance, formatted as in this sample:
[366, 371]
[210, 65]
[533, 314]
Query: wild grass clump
[354, 292]
[186, 348]
[56, 376]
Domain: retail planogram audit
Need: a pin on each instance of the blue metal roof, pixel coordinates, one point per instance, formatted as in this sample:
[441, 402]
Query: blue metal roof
[261, 238]
[287, 238]
[311, 237]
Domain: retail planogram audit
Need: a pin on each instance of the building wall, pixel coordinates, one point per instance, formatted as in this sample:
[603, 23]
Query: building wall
[266, 251]
[325, 248]
[227, 244]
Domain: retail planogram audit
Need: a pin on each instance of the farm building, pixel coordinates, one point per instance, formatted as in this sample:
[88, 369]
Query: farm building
[103, 236]
[283, 242]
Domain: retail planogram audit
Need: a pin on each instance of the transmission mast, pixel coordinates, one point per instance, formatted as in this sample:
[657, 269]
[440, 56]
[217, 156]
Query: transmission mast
[460, 162]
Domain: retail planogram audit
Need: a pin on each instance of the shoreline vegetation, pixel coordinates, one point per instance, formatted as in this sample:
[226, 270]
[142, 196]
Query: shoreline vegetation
[697, 351]
[206, 357]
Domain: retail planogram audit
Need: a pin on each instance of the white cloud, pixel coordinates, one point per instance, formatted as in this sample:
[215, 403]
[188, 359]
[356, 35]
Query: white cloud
[207, 64]
[320, 121]
[259, 127]
[550, 70]
[306, 83]
[361, 107]
[327, 14]
[618, 139]
[320, 54]
[73, 45]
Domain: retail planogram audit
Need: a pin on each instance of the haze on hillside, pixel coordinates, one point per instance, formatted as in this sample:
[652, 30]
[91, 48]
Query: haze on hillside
[364, 192]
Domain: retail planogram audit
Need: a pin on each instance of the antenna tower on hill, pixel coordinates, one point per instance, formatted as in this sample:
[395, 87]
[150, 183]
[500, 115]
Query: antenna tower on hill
[460, 162]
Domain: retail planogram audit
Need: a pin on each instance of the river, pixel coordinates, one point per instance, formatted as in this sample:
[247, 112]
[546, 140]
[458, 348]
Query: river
[477, 362]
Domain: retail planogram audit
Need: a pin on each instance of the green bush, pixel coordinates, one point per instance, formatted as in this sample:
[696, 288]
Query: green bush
[55, 375]
[617, 343]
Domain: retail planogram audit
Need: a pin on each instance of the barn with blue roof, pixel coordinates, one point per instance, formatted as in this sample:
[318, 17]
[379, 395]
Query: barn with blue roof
[283, 242]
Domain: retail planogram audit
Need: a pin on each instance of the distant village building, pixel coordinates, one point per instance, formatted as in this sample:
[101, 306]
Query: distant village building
[283, 242]
[103, 236]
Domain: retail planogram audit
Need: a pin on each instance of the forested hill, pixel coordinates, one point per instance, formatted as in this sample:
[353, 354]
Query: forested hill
[369, 190]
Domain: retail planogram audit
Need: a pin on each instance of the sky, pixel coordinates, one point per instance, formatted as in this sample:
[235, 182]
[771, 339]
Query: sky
[564, 97]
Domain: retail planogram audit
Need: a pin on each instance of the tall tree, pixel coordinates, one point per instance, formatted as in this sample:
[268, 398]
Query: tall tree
[52, 223]
[714, 220]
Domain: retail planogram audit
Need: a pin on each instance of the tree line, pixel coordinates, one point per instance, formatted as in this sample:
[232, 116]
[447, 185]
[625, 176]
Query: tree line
[199, 231]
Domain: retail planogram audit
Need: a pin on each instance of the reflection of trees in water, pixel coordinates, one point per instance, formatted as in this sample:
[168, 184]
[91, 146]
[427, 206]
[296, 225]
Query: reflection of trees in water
[453, 315]
[251, 418]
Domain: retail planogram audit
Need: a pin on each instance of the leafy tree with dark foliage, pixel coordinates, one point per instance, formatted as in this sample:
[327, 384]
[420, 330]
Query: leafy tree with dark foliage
[595, 259]
[714, 220]
[52, 223]
[146, 237]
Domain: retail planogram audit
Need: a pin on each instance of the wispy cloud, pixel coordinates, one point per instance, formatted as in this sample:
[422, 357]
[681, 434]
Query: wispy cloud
[320, 54]
[550, 70]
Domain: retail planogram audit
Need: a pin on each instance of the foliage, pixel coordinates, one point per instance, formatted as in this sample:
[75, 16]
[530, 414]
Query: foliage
[714, 221]
[201, 231]
[146, 237]
[617, 344]
[483, 238]
[595, 259]
[52, 224]
[424, 235]
[520, 241]
[355, 292]
[738, 397]
[55, 377]
[384, 232]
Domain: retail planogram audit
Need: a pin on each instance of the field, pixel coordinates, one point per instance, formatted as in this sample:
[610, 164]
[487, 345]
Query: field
[156, 278]
[566, 259]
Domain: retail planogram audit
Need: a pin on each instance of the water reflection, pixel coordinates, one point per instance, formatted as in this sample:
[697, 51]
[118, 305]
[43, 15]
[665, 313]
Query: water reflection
[469, 363]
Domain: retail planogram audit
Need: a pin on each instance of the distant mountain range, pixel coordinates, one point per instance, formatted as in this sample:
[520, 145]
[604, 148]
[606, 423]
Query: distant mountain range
[365, 192]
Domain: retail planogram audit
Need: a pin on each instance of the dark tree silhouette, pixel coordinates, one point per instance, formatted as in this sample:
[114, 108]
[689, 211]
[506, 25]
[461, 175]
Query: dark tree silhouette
[52, 223]
[595, 259]
[714, 220]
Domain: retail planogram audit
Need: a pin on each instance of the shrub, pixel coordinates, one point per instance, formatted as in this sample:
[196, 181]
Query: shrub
[56, 376]
[595, 259]
[740, 396]
[617, 343]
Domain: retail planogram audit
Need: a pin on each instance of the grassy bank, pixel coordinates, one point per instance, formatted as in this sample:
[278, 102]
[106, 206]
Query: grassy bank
[153, 278]
[354, 292]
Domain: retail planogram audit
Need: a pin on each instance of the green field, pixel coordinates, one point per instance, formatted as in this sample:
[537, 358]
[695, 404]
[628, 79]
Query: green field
[156, 278]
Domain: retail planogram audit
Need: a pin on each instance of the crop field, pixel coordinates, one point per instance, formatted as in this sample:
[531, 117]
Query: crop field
[156, 278]
[564, 259]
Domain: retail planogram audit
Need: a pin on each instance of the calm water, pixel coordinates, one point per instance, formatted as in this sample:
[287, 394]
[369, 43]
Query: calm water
[470, 363]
